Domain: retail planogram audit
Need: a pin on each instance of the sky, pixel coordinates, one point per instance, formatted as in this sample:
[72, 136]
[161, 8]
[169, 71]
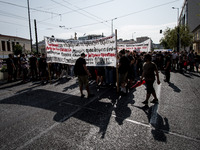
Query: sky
[62, 18]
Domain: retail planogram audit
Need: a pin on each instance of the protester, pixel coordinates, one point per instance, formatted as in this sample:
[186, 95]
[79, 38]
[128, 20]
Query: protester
[24, 67]
[174, 60]
[180, 62]
[43, 69]
[80, 69]
[100, 73]
[185, 60]
[64, 70]
[131, 75]
[10, 66]
[124, 64]
[139, 63]
[191, 60]
[33, 67]
[109, 75]
[167, 66]
[197, 61]
[149, 70]
[16, 63]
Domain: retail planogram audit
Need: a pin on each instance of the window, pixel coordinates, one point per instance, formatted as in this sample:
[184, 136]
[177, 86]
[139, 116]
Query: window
[8, 45]
[13, 46]
[3, 45]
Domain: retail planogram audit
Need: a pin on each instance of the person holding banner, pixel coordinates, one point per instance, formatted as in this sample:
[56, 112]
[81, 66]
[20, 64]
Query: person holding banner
[124, 65]
[149, 70]
[82, 72]
[43, 69]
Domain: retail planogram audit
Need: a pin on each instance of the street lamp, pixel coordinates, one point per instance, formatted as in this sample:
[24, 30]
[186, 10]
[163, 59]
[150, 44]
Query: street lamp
[177, 14]
[178, 32]
[112, 25]
[62, 26]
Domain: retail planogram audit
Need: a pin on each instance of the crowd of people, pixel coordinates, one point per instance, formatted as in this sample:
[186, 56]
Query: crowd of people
[130, 67]
[34, 68]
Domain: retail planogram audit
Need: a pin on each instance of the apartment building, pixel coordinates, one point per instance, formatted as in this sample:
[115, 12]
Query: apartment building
[190, 15]
[7, 44]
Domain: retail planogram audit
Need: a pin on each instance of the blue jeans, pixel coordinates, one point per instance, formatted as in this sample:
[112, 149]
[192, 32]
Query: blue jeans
[109, 76]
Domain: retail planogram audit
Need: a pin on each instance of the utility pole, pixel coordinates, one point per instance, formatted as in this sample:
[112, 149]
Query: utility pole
[112, 25]
[36, 38]
[29, 24]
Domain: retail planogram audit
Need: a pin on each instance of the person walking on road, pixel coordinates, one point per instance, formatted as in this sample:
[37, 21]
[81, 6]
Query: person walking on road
[149, 70]
[82, 72]
[43, 69]
[167, 67]
[197, 61]
[191, 60]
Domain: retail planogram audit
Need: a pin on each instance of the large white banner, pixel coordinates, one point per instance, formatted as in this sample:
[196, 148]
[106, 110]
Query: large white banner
[139, 47]
[99, 52]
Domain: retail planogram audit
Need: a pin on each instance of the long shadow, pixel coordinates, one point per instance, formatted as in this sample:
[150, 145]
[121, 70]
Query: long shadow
[65, 106]
[161, 128]
[97, 112]
[161, 125]
[190, 74]
[174, 87]
[10, 85]
[62, 81]
[147, 110]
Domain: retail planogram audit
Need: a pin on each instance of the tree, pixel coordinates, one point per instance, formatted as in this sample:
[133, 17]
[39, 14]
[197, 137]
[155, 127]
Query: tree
[17, 49]
[169, 41]
[170, 38]
[185, 36]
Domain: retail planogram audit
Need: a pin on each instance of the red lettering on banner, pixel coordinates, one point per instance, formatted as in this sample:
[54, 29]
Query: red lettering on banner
[101, 55]
[107, 54]
[58, 49]
[55, 45]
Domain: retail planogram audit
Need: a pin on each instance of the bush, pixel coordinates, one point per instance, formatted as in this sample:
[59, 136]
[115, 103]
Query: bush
[4, 68]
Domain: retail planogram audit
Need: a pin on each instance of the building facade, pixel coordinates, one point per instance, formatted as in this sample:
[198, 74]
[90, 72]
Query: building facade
[190, 15]
[7, 44]
[141, 39]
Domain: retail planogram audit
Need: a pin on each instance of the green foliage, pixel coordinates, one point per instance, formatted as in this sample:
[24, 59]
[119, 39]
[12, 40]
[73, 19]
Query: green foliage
[169, 41]
[4, 68]
[185, 36]
[17, 49]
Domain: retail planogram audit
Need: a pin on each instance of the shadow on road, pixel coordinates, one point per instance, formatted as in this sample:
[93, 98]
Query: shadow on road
[161, 126]
[174, 87]
[10, 85]
[96, 111]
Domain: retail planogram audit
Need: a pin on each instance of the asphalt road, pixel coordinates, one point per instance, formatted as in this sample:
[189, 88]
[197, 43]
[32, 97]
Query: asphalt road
[54, 116]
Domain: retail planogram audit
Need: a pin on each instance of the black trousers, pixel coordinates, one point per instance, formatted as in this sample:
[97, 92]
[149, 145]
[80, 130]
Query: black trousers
[167, 75]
